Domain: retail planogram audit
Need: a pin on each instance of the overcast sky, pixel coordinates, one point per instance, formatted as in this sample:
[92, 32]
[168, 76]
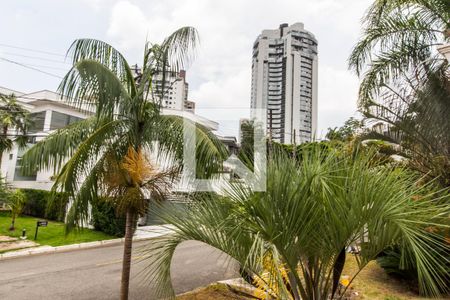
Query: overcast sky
[219, 78]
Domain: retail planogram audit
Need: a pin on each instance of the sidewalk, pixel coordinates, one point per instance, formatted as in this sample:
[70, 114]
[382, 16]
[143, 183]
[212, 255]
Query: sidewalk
[142, 233]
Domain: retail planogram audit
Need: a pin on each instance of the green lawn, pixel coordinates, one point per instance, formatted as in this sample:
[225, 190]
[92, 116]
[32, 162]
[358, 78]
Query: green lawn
[52, 235]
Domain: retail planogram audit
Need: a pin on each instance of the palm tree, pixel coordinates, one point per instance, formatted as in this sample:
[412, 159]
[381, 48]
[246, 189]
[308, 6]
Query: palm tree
[12, 116]
[397, 36]
[416, 114]
[291, 240]
[16, 202]
[126, 129]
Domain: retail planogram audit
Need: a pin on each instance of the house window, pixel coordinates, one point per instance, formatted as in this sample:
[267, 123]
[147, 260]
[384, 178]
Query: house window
[37, 121]
[60, 120]
[18, 175]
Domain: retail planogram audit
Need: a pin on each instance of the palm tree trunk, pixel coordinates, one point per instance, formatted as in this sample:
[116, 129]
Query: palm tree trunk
[126, 264]
[11, 228]
[337, 270]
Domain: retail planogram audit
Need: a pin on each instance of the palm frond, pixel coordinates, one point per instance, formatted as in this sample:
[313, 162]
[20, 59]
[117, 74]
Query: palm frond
[178, 48]
[91, 85]
[91, 49]
[87, 153]
[55, 149]
[168, 131]
[398, 32]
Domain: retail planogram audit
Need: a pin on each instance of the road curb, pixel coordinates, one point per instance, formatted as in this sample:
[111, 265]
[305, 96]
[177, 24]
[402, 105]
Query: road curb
[72, 247]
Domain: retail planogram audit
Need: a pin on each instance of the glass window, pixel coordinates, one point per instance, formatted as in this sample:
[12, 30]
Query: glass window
[18, 175]
[37, 122]
[60, 120]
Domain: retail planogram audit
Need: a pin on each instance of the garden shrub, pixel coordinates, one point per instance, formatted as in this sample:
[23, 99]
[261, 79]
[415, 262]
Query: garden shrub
[56, 206]
[43, 204]
[104, 218]
[36, 202]
[391, 261]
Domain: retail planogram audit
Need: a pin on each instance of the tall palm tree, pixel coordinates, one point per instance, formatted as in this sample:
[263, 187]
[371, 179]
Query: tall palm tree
[12, 116]
[125, 129]
[397, 36]
[291, 240]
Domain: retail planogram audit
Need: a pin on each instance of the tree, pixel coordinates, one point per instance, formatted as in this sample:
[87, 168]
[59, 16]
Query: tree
[397, 36]
[345, 132]
[291, 240]
[126, 131]
[12, 116]
[246, 151]
[416, 113]
[15, 201]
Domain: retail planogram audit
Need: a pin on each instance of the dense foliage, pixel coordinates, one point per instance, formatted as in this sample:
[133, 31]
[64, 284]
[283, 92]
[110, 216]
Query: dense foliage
[397, 36]
[291, 240]
[45, 204]
[106, 219]
[345, 132]
[405, 93]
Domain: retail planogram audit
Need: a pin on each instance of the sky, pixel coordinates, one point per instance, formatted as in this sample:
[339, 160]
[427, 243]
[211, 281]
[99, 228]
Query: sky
[220, 76]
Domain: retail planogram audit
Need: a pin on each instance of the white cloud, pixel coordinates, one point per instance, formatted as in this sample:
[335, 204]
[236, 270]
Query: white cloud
[97, 5]
[128, 25]
[230, 92]
[337, 97]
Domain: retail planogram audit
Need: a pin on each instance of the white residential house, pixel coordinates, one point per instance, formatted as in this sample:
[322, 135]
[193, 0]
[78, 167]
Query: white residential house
[49, 112]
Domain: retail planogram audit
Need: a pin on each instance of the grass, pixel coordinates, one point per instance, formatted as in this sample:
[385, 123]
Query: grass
[52, 235]
[374, 283]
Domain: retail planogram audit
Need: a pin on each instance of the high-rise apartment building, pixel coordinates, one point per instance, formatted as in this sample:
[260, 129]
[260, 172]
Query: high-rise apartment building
[173, 94]
[284, 81]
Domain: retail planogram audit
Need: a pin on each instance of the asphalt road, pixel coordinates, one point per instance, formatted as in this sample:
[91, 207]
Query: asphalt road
[95, 273]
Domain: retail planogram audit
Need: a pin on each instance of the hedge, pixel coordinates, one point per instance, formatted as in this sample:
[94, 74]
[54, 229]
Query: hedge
[43, 204]
[104, 218]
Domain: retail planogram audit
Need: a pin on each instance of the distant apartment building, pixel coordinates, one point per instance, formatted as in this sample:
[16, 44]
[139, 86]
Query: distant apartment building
[169, 89]
[284, 81]
[189, 105]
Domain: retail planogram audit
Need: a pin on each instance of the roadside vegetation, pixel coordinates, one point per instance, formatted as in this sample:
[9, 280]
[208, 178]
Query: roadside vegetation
[52, 235]
[291, 241]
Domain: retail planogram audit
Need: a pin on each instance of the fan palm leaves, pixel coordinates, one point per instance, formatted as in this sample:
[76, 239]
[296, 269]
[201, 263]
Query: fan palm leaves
[124, 131]
[397, 36]
[291, 239]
